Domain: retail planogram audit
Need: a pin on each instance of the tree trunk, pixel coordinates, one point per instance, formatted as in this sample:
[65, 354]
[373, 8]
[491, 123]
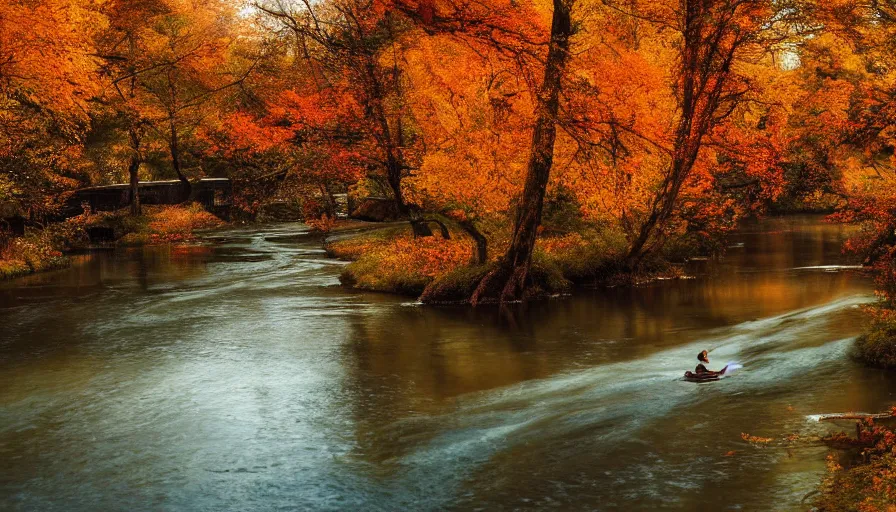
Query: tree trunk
[393, 169]
[855, 416]
[134, 172]
[390, 143]
[174, 147]
[700, 92]
[512, 274]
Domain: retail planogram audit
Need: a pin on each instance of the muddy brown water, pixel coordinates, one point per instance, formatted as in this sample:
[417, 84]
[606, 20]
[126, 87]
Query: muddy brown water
[239, 376]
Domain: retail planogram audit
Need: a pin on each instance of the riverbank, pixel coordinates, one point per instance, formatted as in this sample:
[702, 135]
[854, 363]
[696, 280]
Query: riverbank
[444, 271]
[867, 481]
[157, 225]
[29, 254]
[46, 249]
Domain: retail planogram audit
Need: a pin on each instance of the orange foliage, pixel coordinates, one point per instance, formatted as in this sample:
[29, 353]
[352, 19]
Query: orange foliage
[561, 244]
[46, 53]
[755, 439]
[868, 486]
[323, 224]
[177, 223]
[401, 263]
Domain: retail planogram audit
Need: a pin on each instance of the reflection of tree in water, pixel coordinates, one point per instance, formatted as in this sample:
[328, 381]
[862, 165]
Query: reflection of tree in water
[162, 263]
[409, 364]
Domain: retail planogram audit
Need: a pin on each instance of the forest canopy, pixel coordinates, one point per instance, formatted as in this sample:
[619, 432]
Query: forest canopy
[623, 131]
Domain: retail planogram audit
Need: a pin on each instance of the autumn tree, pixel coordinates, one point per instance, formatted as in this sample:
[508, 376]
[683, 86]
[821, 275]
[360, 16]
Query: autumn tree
[853, 67]
[513, 30]
[351, 47]
[714, 41]
[512, 273]
[292, 141]
[475, 118]
[47, 77]
[165, 63]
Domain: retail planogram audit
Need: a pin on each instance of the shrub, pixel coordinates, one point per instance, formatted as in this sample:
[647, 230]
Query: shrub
[877, 347]
[157, 225]
[324, 224]
[591, 257]
[562, 212]
[178, 223]
[13, 268]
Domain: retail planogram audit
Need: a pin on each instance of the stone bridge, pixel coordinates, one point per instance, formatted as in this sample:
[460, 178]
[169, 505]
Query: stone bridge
[215, 194]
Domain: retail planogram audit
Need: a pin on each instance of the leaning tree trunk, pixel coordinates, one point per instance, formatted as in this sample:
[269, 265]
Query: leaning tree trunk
[134, 172]
[706, 60]
[509, 281]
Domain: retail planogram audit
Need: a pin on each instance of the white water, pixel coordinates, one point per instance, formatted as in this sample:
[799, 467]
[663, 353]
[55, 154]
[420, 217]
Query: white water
[612, 402]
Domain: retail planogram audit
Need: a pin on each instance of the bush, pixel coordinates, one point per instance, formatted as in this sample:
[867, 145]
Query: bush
[547, 278]
[869, 485]
[878, 346]
[157, 225]
[562, 212]
[34, 252]
[323, 225]
[10, 269]
[593, 257]
[681, 248]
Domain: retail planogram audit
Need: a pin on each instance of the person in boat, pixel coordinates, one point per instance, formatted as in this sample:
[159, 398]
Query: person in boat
[701, 371]
[702, 357]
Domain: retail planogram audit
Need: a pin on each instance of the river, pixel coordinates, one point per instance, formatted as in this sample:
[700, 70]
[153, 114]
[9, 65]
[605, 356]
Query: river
[238, 375]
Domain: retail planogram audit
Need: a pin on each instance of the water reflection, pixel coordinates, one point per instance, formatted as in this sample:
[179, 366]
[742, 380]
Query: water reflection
[238, 375]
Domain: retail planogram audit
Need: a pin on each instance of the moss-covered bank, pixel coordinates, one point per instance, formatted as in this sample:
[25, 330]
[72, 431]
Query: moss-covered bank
[157, 225]
[877, 347]
[392, 260]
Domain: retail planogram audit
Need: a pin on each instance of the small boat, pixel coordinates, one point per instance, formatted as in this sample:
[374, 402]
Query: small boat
[704, 377]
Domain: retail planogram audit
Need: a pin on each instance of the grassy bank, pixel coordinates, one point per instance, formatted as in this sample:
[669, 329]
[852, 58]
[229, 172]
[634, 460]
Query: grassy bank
[392, 260]
[868, 481]
[440, 271]
[877, 347]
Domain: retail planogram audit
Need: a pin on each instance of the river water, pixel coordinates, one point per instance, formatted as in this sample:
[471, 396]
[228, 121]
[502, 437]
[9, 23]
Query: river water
[240, 376]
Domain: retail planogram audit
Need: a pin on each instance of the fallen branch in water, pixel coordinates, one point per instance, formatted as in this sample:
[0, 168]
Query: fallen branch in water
[853, 416]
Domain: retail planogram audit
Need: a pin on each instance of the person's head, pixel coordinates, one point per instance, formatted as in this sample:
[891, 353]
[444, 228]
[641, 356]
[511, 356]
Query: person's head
[703, 357]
